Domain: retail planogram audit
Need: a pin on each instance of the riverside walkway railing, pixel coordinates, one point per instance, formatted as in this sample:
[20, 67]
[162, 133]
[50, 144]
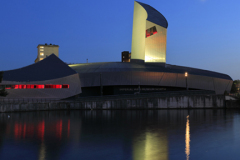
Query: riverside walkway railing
[106, 97]
[27, 100]
[167, 100]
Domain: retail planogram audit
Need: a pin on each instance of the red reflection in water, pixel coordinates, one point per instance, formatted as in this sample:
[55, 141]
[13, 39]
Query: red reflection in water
[59, 129]
[41, 129]
[29, 130]
[24, 130]
[17, 130]
[68, 127]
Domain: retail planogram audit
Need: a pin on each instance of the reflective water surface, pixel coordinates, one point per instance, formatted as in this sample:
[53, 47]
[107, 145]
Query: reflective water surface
[121, 135]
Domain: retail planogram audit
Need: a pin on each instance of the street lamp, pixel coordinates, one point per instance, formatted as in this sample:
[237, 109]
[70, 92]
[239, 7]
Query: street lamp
[186, 75]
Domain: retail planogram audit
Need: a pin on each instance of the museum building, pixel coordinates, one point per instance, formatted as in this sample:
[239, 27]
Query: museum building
[144, 71]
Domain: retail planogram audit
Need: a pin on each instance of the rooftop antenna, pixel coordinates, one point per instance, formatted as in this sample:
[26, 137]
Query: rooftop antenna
[87, 60]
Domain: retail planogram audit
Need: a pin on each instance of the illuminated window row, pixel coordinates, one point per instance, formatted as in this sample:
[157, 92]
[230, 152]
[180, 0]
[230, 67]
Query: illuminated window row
[36, 86]
[151, 31]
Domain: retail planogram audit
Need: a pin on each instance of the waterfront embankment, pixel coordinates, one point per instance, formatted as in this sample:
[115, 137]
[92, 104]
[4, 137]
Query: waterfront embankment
[171, 100]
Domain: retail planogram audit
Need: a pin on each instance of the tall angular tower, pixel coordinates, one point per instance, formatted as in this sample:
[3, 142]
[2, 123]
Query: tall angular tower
[149, 35]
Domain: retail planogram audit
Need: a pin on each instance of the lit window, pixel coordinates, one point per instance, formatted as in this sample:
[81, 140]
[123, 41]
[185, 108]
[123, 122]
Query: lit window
[41, 47]
[53, 86]
[58, 86]
[22, 86]
[151, 31]
[8, 87]
[39, 86]
[41, 59]
[65, 86]
[30, 86]
[41, 53]
[15, 86]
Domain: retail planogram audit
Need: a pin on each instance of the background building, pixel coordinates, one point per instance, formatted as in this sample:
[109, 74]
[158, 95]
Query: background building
[126, 56]
[45, 50]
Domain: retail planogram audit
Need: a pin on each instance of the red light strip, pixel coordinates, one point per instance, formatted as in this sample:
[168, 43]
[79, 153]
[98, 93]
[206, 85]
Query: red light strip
[37, 86]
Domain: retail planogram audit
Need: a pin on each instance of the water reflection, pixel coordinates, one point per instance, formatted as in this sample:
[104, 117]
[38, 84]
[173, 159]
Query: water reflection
[153, 146]
[42, 152]
[23, 130]
[187, 139]
[128, 135]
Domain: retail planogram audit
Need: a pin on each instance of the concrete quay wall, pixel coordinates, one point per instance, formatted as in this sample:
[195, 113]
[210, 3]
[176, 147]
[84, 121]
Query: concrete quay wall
[169, 102]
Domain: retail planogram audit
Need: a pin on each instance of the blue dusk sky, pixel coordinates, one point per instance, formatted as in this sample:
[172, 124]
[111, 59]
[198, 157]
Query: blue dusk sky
[202, 34]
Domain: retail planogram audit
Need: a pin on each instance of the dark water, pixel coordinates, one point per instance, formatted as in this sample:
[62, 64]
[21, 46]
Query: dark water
[121, 135]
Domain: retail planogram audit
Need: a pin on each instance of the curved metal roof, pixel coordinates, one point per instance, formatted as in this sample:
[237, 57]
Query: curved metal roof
[49, 68]
[154, 16]
[143, 67]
